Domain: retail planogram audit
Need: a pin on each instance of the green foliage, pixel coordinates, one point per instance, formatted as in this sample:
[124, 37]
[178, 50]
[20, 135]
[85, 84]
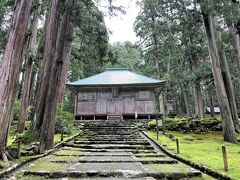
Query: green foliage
[16, 110]
[193, 124]
[90, 43]
[152, 124]
[124, 55]
[5, 8]
[64, 121]
[68, 104]
[186, 125]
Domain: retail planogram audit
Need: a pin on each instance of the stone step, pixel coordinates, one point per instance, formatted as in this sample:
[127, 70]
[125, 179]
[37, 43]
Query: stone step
[161, 161]
[113, 146]
[30, 177]
[113, 133]
[134, 151]
[109, 125]
[111, 136]
[119, 174]
[109, 139]
[134, 135]
[151, 155]
[109, 128]
[114, 142]
[92, 154]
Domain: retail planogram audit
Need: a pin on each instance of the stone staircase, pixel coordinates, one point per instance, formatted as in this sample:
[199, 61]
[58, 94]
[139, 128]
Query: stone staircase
[109, 150]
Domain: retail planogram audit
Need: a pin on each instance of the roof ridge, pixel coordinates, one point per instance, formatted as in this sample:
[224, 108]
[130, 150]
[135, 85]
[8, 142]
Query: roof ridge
[116, 76]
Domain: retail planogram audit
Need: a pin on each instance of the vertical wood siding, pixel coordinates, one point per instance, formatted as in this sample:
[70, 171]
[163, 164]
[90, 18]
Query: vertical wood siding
[97, 102]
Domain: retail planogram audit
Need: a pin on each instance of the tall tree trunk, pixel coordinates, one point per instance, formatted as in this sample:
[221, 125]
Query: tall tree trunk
[229, 90]
[47, 62]
[61, 61]
[27, 80]
[9, 74]
[199, 104]
[213, 46]
[160, 98]
[199, 100]
[211, 103]
[237, 45]
[237, 34]
[36, 79]
[157, 62]
[186, 103]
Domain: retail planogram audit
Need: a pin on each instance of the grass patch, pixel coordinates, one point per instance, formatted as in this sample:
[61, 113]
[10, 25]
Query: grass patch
[71, 151]
[63, 158]
[153, 158]
[205, 149]
[57, 137]
[43, 165]
[168, 168]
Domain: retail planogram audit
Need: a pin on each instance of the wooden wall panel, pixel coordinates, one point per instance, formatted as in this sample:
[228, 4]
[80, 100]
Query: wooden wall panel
[111, 107]
[129, 105]
[86, 107]
[103, 95]
[140, 107]
[149, 107]
[119, 106]
[144, 95]
[101, 107]
[128, 101]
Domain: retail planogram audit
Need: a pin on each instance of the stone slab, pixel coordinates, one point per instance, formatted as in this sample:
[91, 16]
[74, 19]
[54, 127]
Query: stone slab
[123, 167]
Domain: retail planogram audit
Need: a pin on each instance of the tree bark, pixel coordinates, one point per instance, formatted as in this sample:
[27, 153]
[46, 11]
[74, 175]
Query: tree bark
[199, 100]
[9, 74]
[186, 103]
[157, 62]
[237, 44]
[211, 103]
[27, 80]
[199, 104]
[61, 61]
[213, 46]
[160, 98]
[229, 90]
[47, 63]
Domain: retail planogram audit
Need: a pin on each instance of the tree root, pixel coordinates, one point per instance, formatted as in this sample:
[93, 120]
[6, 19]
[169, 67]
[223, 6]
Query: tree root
[3, 155]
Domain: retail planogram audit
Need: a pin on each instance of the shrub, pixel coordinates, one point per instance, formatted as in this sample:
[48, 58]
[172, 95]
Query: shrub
[189, 125]
[194, 124]
[152, 124]
[64, 122]
[16, 110]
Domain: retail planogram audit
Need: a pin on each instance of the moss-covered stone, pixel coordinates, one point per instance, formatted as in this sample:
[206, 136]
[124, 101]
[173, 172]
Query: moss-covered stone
[73, 151]
[41, 165]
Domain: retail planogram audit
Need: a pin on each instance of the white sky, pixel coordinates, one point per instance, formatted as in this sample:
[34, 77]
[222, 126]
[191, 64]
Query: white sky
[121, 25]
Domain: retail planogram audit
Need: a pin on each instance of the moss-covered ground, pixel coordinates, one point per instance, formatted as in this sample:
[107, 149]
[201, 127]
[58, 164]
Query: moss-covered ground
[204, 149]
[57, 139]
[72, 151]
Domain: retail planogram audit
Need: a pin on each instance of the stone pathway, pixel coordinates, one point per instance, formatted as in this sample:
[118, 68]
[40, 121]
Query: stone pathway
[109, 150]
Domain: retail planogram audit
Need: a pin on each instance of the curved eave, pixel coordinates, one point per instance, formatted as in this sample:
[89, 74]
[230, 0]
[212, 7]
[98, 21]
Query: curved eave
[157, 84]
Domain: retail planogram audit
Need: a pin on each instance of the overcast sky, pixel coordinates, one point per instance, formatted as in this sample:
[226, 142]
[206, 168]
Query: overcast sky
[121, 26]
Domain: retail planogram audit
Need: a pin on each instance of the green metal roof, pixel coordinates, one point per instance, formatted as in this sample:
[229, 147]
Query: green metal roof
[116, 76]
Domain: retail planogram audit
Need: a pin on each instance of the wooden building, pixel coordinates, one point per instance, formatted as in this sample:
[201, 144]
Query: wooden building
[115, 93]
